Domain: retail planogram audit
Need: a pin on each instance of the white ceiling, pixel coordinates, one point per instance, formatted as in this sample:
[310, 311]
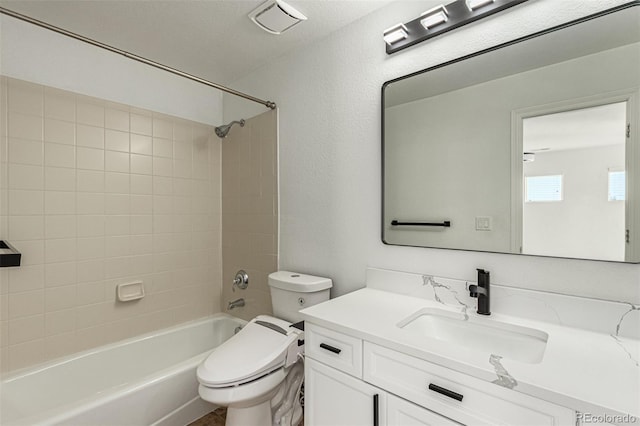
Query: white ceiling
[212, 39]
[576, 129]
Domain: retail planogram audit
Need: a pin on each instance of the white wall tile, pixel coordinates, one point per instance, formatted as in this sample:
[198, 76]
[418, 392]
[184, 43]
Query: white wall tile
[116, 119]
[60, 345]
[90, 293]
[116, 161]
[90, 225]
[162, 128]
[26, 354]
[26, 303]
[59, 202]
[90, 159]
[63, 321]
[141, 184]
[23, 126]
[141, 244]
[90, 248]
[162, 185]
[141, 164]
[141, 224]
[59, 274]
[22, 151]
[115, 140]
[25, 329]
[25, 98]
[117, 225]
[141, 204]
[90, 113]
[117, 246]
[81, 208]
[32, 252]
[141, 144]
[141, 124]
[90, 181]
[162, 148]
[62, 250]
[59, 179]
[58, 155]
[59, 105]
[116, 182]
[58, 298]
[26, 278]
[57, 131]
[89, 136]
[59, 226]
[26, 202]
[26, 227]
[116, 204]
[91, 270]
[90, 203]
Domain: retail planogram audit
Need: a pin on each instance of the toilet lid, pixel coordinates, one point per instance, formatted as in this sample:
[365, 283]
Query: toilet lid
[258, 349]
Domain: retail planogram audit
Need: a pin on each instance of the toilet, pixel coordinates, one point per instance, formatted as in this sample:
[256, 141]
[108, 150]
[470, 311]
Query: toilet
[257, 374]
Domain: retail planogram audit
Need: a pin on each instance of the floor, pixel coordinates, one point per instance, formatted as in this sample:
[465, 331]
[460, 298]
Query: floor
[217, 418]
[214, 418]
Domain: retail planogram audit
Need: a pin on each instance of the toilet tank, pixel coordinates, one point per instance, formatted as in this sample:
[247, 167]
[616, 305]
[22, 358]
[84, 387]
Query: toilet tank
[291, 292]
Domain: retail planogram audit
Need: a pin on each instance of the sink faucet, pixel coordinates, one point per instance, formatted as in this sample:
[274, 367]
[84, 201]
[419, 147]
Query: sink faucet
[481, 291]
[235, 304]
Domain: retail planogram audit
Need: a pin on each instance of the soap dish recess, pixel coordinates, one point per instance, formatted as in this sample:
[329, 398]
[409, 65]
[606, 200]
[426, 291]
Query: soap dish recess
[130, 291]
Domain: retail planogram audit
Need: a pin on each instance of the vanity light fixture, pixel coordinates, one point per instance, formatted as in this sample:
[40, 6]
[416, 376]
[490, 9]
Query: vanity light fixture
[434, 17]
[441, 19]
[477, 4]
[395, 34]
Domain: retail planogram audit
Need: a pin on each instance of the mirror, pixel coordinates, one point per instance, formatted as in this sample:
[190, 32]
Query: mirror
[530, 147]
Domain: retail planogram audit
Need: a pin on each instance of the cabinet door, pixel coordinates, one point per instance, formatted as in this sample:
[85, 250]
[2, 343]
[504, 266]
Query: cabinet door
[333, 398]
[404, 413]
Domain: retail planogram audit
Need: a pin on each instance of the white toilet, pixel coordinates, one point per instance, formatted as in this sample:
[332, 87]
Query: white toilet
[256, 373]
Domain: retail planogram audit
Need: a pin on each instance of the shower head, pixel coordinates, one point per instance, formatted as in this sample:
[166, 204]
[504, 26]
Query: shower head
[222, 131]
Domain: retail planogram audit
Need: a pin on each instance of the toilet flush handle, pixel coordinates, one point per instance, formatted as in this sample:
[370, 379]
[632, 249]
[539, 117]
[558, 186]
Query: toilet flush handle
[241, 280]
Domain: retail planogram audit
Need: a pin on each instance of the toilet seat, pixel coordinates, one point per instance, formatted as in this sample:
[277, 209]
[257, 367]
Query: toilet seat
[260, 348]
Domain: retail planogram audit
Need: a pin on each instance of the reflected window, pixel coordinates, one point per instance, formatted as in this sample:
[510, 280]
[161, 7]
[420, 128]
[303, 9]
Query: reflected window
[617, 187]
[543, 188]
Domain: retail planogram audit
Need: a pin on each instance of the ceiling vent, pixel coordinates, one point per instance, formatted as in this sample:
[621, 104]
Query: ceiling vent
[276, 17]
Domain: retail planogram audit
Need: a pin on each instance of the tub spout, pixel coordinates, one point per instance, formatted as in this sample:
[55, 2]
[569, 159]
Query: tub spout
[238, 303]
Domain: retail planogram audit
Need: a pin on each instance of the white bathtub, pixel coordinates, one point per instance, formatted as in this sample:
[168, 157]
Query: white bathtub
[148, 380]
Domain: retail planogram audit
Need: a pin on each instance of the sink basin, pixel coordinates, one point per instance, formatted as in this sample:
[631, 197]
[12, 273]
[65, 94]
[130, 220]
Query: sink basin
[509, 341]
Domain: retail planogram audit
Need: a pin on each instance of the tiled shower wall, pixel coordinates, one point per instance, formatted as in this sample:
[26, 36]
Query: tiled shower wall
[250, 211]
[95, 194]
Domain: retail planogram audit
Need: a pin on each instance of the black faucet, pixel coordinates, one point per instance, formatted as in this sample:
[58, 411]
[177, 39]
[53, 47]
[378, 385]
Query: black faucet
[481, 291]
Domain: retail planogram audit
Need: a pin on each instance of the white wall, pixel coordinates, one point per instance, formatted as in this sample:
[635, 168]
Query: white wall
[329, 133]
[31, 53]
[585, 223]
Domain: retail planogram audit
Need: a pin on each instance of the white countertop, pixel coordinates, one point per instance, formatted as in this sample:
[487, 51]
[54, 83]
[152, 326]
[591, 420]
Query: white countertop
[587, 371]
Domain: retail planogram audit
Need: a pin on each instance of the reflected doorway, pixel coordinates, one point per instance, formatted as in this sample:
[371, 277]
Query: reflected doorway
[574, 191]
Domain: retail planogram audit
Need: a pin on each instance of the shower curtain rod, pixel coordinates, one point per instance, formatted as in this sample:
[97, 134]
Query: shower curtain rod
[141, 59]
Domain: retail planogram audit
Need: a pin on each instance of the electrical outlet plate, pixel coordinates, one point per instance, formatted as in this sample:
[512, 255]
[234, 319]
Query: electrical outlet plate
[484, 223]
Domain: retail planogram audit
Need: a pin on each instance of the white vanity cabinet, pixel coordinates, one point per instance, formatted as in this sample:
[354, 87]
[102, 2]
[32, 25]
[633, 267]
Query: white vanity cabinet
[333, 398]
[345, 375]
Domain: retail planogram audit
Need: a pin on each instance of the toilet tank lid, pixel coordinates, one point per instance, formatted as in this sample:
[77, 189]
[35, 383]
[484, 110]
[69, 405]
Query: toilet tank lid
[294, 281]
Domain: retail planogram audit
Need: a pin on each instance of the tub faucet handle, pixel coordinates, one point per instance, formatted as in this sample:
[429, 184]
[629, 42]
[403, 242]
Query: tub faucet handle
[241, 280]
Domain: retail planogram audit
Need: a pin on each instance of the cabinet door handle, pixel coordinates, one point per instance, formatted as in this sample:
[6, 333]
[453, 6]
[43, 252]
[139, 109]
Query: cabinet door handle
[376, 421]
[445, 392]
[330, 348]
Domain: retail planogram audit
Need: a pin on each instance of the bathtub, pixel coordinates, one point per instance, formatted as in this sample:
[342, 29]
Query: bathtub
[147, 380]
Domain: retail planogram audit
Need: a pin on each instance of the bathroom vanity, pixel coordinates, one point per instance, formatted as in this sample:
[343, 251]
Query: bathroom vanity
[410, 349]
